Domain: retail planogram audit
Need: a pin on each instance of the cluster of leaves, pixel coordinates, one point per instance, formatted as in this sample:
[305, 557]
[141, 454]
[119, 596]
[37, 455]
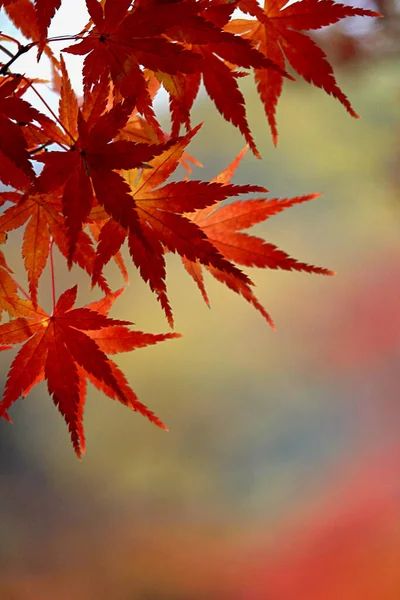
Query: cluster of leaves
[106, 163]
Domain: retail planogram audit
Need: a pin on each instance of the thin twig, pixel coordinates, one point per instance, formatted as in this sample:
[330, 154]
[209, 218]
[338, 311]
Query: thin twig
[6, 51]
[10, 39]
[21, 50]
[51, 111]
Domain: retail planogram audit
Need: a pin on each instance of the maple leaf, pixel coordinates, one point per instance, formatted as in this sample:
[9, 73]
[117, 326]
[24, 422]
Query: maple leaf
[160, 211]
[275, 33]
[222, 225]
[222, 228]
[66, 348]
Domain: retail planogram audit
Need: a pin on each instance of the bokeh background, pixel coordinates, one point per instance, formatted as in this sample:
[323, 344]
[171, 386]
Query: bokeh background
[280, 476]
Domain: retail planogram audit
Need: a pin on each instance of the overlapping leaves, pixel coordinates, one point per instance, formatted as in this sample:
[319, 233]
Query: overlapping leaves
[105, 165]
[275, 31]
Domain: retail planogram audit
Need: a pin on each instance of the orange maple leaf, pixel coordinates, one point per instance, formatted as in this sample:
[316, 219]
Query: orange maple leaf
[42, 215]
[222, 225]
[275, 33]
[8, 287]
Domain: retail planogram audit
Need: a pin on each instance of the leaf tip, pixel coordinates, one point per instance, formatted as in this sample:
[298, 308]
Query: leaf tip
[80, 449]
[6, 417]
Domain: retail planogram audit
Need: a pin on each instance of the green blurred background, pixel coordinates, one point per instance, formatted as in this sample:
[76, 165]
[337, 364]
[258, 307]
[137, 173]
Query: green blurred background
[279, 477]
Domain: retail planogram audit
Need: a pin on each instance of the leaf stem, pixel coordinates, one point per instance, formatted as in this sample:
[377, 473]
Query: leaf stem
[51, 111]
[9, 38]
[53, 285]
[65, 38]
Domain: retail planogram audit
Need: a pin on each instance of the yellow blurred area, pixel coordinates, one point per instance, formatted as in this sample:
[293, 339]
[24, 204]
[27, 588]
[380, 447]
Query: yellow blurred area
[278, 477]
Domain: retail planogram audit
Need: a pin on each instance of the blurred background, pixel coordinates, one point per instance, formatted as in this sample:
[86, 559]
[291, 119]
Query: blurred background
[280, 476]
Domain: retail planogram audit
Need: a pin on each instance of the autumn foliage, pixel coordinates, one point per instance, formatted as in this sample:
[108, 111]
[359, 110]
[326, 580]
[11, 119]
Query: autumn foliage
[97, 175]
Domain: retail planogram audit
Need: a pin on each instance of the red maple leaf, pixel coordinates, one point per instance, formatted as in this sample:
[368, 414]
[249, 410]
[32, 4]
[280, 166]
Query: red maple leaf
[222, 225]
[163, 225]
[66, 348]
[275, 32]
